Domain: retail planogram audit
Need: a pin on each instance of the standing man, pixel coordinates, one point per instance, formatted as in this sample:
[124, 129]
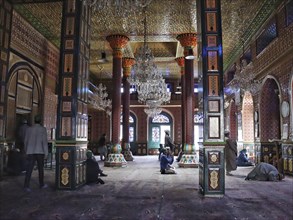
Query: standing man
[230, 154]
[21, 134]
[169, 141]
[36, 149]
[102, 147]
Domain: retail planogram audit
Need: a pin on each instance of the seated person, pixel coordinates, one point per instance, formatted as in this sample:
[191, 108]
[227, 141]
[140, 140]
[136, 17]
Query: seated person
[166, 161]
[264, 172]
[93, 169]
[242, 159]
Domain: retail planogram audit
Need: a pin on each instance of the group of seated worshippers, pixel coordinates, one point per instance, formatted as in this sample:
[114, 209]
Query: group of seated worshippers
[93, 170]
[166, 160]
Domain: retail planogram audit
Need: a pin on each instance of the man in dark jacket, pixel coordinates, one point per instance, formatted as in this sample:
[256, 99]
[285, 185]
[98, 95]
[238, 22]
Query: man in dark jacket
[93, 169]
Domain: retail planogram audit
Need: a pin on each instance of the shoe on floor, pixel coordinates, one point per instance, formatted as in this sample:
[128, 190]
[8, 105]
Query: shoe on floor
[27, 189]
[102, 174]
[45, 186]
[100, 181]
[229, 174]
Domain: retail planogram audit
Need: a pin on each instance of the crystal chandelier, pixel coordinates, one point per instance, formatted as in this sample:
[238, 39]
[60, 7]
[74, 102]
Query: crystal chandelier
[244, 79]
[98, 98]
[148, 81]
[121, 7]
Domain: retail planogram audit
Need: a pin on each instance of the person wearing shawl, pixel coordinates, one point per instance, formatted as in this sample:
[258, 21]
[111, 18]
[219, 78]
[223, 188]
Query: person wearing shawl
[230, 154]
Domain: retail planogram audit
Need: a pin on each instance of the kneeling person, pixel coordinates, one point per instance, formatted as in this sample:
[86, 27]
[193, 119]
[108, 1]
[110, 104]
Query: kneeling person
[166, 162]
[264, 172]
[93, 169]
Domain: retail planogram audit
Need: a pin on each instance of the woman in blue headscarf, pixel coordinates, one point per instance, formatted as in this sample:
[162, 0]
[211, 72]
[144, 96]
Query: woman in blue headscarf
[242, 159]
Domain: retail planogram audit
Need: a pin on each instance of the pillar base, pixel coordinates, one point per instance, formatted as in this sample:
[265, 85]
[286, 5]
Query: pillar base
[188, 161]
[127, 152]
[115, 160]
[128, 155]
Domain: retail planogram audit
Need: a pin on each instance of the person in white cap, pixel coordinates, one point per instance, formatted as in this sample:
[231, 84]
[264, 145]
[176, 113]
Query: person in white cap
[230, 154]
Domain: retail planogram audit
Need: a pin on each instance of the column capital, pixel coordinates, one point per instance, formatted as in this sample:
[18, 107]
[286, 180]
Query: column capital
[187, 40]
[127, 63]
[180, 61]
[117, 41]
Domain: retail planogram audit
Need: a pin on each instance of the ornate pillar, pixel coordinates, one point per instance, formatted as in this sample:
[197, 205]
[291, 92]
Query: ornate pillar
[188, 41]
[211, 154]
[180, 62]
[72, 117]
[127, 63]
[117, 43]
[5, 36]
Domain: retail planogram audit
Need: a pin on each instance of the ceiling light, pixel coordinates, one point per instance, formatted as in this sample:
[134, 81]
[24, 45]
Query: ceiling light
[190, 55]
[103, 58]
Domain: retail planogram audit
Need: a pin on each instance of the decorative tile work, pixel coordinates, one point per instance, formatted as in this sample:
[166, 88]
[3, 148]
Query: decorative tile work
[213, 61]
[21, 35]
[269, 112]
[214, 179]
[50, 108]
[247, 118]
[211, 22]
[213, 86]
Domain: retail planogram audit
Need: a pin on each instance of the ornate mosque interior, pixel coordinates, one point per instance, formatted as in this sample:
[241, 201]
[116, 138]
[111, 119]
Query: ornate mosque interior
[75, 62]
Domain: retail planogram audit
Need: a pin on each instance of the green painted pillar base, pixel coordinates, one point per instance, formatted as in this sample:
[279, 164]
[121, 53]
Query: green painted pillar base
[127, 152]
[212, 171]
[115, 158]
[189, 158]
[70, 166]
[188, 161]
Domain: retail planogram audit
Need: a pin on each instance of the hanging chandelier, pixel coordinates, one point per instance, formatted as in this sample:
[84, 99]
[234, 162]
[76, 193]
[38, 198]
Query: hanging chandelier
[121, 7]
[244, 79]
[98, 98]
[148, 81]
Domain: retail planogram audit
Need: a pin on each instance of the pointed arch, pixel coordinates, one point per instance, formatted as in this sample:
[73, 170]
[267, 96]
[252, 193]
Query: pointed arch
[24, 96]
[270, 110]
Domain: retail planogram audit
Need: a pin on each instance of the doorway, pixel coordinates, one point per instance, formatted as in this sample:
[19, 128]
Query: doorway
[156, 134]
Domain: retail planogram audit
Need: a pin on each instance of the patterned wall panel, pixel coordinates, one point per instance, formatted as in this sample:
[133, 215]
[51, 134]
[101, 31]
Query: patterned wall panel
[50, 111]
[5, 33]
[248, 118]
[270, 111]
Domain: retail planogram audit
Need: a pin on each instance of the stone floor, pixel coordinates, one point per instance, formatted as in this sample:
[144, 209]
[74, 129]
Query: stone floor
[139, 191]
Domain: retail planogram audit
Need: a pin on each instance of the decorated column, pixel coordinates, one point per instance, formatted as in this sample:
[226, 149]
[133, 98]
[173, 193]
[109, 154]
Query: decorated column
[180, 62]
[188, 159]
[117, 43]
[211, 154]
[127, 63]
[72, 117]
[5, 35]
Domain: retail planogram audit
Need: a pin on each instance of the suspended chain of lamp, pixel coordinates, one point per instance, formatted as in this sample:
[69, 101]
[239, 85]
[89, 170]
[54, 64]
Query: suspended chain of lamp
[98, 98]
[148, 81]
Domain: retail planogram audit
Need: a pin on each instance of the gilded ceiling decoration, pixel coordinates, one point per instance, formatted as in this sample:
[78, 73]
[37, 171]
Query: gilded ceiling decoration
[165, 20]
